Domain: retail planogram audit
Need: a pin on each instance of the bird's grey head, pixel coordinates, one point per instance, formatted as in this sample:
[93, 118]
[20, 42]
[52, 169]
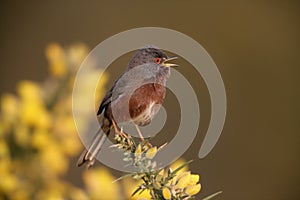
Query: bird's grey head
[148, 55]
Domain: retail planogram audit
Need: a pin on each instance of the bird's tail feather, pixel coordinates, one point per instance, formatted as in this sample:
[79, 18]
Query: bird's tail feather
[88, 155]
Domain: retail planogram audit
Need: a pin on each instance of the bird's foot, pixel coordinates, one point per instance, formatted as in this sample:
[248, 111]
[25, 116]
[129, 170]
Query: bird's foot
[119, 132]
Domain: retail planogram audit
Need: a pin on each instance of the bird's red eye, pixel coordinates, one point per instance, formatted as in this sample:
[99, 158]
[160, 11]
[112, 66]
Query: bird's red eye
[157, 60]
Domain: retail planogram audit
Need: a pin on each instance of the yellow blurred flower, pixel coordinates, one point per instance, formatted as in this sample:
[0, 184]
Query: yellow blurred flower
[64, 125]
[22, 135]
[53, 160]
[50, 194]
[21, 194]
[78, 194]
[54, 52]
[3, 128]
[100, 185]
[64, 129]
[39, 126]
[8, 182]
[30, 91]
[34, 114]
[56, 57]
[71, 146]
[5, 163]
[32, 111]
[9, 107]
[4, 151]
[76, 54]
[130, 186]
[41, 139]
[58, 68]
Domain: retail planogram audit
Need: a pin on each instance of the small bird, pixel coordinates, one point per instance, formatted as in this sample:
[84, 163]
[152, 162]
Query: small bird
[149, 65]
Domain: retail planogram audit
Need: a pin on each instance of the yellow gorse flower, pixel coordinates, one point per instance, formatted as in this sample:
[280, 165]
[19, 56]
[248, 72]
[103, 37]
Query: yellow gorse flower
[100, 184]
[138, 150]
[9, 107]
[194, 179]
[38, 135]
[183, 180]
[56, 56]
[151, 152]
[166, 193]
[30, 91]
[193, 189]
[130, 186]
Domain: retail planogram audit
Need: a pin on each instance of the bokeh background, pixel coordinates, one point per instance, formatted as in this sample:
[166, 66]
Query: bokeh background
[255, 44]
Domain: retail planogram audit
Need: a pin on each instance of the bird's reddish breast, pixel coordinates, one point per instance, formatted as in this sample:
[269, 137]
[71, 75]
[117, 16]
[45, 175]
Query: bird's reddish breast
[145, 96]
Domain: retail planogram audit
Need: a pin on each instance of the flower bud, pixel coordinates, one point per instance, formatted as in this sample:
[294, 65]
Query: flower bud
[151, 152]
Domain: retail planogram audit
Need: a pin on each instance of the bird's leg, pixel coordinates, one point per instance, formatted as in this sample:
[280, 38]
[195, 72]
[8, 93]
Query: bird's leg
[141, 136]
[121, 133]
[139, 132]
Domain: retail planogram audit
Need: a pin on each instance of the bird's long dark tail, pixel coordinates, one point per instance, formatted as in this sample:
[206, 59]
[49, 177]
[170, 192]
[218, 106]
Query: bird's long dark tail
[87, 157]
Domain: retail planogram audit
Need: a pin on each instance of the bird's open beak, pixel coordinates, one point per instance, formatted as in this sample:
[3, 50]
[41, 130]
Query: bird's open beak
[166, 64]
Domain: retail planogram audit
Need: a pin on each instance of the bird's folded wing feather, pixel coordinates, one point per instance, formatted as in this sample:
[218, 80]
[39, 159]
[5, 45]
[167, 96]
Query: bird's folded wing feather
[126, 82]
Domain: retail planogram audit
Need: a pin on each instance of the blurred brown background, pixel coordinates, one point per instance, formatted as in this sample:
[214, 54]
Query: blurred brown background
[255, 45]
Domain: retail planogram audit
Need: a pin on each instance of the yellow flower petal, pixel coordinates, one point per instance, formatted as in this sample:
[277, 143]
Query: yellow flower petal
[180, 175]
[166, 193]
[162, 172]
[174, 180]
[151, 152]
[130, 186]
[194, 179]
[138, 150]
[183, 180]
[193, 189]
[179, 163]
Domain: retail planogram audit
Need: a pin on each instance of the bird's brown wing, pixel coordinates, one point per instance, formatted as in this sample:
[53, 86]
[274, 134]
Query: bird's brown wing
[109, 97]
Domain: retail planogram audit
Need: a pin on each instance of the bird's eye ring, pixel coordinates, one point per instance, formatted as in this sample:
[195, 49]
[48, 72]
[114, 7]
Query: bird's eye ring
[157, 60]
